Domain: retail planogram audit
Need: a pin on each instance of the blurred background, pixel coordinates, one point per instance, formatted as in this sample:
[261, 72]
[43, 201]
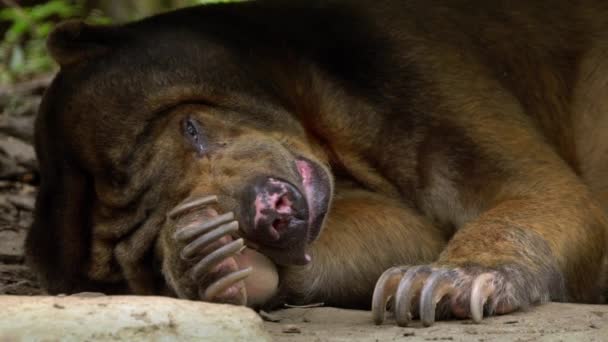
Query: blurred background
[25, 72]
[25, 24]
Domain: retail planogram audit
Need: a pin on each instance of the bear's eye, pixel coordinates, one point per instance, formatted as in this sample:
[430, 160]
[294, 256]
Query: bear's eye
[193, 133]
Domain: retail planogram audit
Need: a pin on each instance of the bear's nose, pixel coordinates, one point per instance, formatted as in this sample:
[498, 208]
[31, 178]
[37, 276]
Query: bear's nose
[278, 214]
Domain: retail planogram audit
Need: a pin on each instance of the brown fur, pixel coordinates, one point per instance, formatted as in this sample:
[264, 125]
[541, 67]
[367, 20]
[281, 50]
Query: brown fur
[466, 135]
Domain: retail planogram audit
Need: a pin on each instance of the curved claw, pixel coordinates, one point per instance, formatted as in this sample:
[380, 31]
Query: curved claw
[408, 288]
[482, 288]
[226, 282]
[193, 248]
[191, 204]
[437, 286]
[203, 266]
[191, 231]
[384, 290]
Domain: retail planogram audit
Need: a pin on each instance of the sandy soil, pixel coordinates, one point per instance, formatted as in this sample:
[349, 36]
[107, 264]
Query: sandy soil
[551, 322]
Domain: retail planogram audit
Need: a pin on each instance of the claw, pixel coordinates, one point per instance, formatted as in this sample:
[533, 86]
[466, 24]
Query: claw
[224, 283]
[408, 288]
[203, 266]
[482, 288]
[189, 205]
[191, 231]
[437, 286]
[204, 240]
[385, 288]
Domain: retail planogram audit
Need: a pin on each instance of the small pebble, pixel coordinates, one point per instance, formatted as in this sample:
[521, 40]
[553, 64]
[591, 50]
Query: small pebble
[88, 294]
[292, 329]
[268, 317]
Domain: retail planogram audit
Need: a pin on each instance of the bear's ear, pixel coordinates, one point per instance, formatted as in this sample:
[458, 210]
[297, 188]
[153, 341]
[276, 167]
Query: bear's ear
[74, 41]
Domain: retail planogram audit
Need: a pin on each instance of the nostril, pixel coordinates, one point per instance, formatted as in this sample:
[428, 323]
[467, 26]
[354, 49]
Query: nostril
[280, 224]
[284, 205]
[277, 215]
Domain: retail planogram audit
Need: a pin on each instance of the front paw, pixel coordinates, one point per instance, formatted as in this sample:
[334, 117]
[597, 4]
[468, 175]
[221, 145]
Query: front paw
[461, 292]
[210, 251]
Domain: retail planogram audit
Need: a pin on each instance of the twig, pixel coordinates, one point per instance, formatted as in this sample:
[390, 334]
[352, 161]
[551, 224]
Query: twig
[13, 4]
[6, 288]
[27, 86]
[10, 3]
[309, 306]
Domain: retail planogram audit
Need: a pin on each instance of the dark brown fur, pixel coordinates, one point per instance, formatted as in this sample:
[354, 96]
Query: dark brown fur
[471, 136]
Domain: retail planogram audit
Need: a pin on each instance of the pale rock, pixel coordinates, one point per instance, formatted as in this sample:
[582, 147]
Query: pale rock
[125, 318]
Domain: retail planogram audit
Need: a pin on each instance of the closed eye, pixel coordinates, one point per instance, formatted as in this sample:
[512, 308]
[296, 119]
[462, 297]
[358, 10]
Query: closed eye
[193, 133]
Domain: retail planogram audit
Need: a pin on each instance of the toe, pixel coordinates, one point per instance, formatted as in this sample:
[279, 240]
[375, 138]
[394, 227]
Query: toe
[384, 290]
[482, 288]
[437, 286]
[191, 204]
[407, 292]
[206, 264]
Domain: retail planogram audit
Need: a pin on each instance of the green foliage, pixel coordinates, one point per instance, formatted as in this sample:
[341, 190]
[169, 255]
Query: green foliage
[23, 49]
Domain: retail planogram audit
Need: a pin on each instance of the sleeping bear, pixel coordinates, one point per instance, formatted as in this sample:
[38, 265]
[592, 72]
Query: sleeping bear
[443, 159]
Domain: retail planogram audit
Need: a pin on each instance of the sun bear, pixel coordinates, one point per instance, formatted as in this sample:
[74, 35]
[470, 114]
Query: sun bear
[441, 159]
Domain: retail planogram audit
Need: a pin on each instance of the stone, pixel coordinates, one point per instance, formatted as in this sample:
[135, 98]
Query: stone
[125, 318]
[16, 157]
[11, 245]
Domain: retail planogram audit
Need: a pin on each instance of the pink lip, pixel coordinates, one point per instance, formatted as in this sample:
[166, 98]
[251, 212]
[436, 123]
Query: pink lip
[306, 172]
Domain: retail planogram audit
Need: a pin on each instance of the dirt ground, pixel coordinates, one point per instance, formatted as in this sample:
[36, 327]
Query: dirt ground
[551, 322]
[18, 179]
